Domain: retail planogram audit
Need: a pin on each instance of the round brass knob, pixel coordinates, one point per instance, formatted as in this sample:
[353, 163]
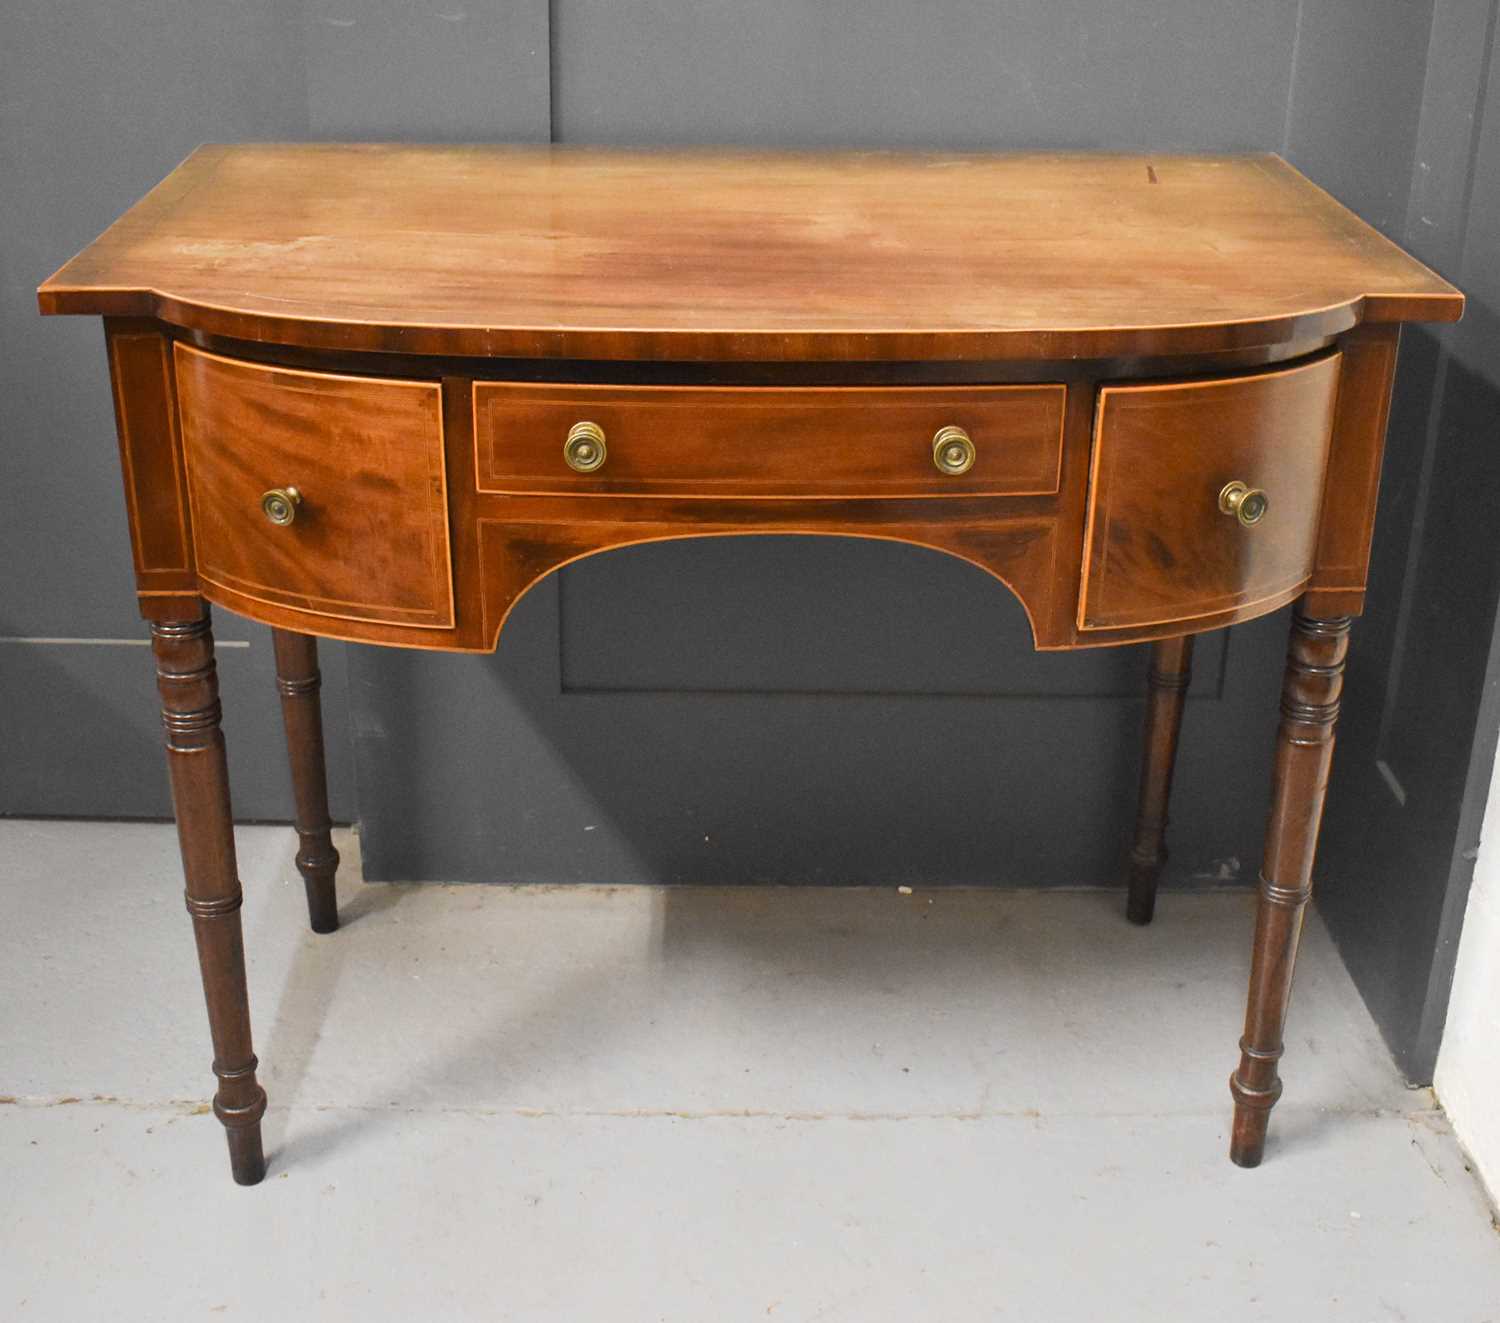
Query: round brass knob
[584, 449]
[1247, 504]
[953, 451]
[280, 504]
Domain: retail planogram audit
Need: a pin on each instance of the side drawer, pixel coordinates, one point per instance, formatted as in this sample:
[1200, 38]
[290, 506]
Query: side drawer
[1159, 545]
[768, 441]
[368, 539]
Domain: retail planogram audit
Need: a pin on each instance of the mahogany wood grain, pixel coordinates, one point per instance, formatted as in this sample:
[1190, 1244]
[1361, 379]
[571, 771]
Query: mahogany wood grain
[1159, 546]
[781, 373]
[531, 537]
[770, 340]
[299, 682]
[487, 591]
[151, 465]
[1167, 685]
[1304, 753]
[1351, 493]
[189, 686]
[569, 253]
[491, 574]
[370, 539]
[758, 441]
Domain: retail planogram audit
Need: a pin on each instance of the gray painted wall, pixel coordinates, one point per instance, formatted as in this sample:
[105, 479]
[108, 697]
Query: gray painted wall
[97, 102]
[1422, 702]
[753, 709]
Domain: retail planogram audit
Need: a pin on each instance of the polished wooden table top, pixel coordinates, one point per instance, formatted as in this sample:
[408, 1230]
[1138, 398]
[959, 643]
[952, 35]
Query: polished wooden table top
[379, 393]
[513, 251]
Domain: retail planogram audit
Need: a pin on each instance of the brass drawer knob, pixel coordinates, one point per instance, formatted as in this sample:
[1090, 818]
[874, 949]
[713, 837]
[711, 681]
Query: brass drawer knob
[953, 451]
[280, 504]
[584, 449]
[1247, 504]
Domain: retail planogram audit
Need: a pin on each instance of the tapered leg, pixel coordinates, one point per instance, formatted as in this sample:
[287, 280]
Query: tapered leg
[299, 681]
[1304, 751]
[1171, 671]
[189, 688]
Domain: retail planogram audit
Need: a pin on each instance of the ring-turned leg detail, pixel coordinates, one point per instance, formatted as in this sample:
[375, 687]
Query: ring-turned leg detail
[189, 689]
[1171, 672]
[1304, 752]
[299, 680]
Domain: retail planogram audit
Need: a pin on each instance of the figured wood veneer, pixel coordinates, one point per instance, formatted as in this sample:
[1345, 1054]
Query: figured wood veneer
[156, 496]
[1351, 492]
[1159, 547]
[758, 441]
[770, 341]
[370, 540]
[744, 256]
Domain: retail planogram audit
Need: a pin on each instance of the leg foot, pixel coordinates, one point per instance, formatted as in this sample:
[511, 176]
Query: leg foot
[184, 651]
[1171, 671]
[1252, 1114]
[298, 679]
[247, 1160]
[1310, 692]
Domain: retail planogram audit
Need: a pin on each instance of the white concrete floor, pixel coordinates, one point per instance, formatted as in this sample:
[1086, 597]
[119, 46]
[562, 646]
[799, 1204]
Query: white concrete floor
[625, 1104]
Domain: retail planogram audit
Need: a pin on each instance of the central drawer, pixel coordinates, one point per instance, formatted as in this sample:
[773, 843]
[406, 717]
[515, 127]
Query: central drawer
[757, 441]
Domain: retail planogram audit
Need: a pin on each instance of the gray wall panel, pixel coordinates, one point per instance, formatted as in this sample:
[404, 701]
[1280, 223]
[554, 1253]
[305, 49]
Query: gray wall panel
[839, 618]
[559, 786]
[86, 739]
[1356, 100]
[1423, 704]
[427, 72]
[98, 101]
[1155, 74]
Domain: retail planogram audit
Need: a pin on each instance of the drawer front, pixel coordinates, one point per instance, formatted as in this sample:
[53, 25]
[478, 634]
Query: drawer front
[1159, 545]
[368, 539]
[769, 442]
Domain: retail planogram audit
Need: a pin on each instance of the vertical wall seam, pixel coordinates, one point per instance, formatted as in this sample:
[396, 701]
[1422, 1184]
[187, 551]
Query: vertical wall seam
[1291, 85]
[1473, 807]
[1433, 427]
[352, 763]
[552, 71]
[1476, 128]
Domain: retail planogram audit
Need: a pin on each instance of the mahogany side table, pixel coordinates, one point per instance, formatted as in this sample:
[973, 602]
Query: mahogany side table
[378, 392]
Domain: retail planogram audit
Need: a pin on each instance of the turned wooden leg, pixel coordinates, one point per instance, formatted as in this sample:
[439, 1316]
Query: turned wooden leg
[1304, 752]
[189, 688]
[1171, 671]
[299, 681]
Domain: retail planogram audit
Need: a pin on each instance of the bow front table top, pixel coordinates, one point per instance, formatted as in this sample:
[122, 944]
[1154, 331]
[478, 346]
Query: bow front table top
[378, 392]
